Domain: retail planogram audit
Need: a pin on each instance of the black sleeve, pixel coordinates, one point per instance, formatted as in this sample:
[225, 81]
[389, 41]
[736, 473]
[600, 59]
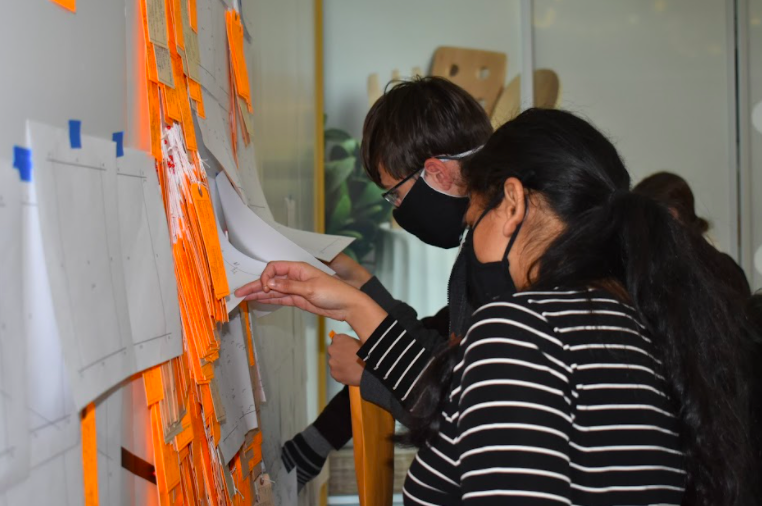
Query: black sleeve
[429, 337]
[335, 421]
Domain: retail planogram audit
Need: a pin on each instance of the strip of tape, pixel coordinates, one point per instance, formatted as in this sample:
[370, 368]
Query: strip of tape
[22, 160]
[118, 137]
[75, 133]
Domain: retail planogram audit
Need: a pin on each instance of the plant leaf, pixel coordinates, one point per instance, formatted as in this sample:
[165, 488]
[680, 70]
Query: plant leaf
[337, 172]
[336, 135]
[340, 214]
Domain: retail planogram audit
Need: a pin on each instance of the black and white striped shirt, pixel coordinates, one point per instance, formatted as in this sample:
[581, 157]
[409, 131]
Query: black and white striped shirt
[556, 398]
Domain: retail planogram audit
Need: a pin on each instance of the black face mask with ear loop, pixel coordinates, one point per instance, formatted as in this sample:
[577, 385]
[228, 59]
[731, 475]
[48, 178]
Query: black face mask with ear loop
[433, 217]
[486, 281]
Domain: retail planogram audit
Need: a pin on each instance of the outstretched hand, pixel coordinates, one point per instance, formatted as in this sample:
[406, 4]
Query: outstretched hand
[301, 285]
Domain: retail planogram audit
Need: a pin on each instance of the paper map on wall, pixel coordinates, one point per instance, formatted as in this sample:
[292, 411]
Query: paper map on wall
[149, 270]
[231, 371]
[77, 199]
[53, 429]
[14, 422]
[239, 268]
[254, 236]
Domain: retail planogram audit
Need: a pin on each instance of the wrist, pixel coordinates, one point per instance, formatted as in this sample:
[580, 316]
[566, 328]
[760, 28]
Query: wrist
[364, 315]
[361, 278]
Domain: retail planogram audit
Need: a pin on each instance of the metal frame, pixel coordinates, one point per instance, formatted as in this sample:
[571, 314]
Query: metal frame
[527, 54]
[739, 16]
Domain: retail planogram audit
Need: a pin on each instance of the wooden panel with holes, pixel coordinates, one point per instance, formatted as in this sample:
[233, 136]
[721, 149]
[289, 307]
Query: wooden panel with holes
[479, 72]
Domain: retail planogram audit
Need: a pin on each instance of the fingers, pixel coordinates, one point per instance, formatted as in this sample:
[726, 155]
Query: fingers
[342, 337]
[262, 296]
[282, 300]
[291, 270]
[248, 289]
[291, 287]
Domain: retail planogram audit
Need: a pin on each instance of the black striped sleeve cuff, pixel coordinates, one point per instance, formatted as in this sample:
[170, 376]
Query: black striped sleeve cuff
[395, 358]
[307, 452]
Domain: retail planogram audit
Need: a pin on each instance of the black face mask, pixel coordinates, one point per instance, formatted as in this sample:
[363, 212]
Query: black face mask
[486, 281]
[432, 216]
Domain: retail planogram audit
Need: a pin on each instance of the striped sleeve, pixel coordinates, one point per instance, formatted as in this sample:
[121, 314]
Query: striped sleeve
[514, 414]
[394, 356]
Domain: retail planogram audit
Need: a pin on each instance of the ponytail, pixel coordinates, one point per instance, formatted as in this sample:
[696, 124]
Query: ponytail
[633, 247]
[673, 278]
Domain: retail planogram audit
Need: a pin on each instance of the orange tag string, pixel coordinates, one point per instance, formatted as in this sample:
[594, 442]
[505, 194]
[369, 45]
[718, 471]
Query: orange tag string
[90, 455]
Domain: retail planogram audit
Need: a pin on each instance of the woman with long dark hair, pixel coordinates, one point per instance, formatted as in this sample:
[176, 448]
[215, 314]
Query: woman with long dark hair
[607, 363]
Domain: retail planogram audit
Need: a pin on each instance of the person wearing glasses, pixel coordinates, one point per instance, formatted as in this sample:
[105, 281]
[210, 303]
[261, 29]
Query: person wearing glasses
[414, 140]
[607, 362]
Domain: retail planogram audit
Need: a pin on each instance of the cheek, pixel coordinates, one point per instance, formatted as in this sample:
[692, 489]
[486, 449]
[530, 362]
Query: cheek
[489, 245]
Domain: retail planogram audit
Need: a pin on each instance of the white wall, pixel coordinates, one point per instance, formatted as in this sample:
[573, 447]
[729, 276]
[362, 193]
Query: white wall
[364, 37]
[653, 75]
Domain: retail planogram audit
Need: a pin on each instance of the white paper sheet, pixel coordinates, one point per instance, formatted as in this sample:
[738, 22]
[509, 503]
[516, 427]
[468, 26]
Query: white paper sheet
[254, 236]
[14, 420]
[213, 47]
[234, 382]
[53, 421]
[55, 475]
[215, 136]
[77, 199]
[239, 268]
[247, 163]
[322, 246]
[148, 263]
[59, 480]
[108, 422]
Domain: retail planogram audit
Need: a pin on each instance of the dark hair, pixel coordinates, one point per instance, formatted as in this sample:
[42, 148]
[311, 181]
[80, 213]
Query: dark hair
[754, 310]
[674, 192]
[416, 120]
[615, 238]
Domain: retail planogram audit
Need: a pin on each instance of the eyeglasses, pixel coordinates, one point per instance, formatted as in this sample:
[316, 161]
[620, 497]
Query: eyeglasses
[392, 195]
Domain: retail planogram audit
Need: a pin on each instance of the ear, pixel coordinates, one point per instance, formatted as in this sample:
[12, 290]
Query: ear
[436, 170]
[513, 207]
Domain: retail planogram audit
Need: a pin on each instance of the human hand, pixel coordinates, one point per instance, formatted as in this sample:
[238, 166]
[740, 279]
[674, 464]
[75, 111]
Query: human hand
[346, 366]
[301, 285]
[349, 270]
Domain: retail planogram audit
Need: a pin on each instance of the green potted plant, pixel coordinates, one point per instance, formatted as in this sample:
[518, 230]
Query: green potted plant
[353, 203]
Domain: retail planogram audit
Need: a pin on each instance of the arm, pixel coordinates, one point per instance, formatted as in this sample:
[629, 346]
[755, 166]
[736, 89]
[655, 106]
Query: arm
[396, 358]
[429, 331]
[514, 416]
[309, 449]
[374, 390]
[303, 286]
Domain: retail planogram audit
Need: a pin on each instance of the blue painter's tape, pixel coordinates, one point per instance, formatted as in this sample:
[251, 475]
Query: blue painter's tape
[75, 133]
[118, 137]
[22, 160]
